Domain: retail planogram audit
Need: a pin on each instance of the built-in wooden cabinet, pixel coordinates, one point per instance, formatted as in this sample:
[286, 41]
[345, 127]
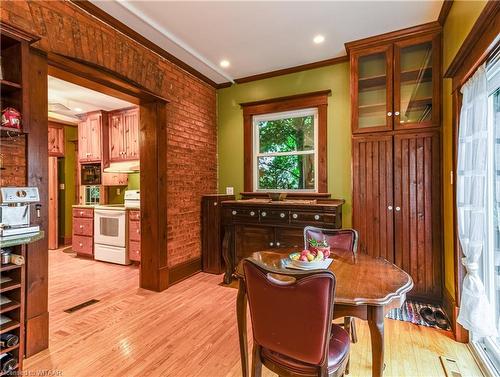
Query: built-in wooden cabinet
[56, 140]
[396, 143]
[124, 135]
[134, 235]
[83, 231]
[395, 85]
[114, 179]
[92, 135]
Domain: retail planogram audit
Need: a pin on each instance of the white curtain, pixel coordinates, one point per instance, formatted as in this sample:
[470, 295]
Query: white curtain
[476, 313]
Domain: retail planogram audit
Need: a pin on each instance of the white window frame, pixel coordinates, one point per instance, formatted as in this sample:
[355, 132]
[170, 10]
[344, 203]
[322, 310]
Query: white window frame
[256, 119]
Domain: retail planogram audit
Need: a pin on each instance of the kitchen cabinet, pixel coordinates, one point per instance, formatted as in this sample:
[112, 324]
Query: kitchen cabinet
[56, 140]
[91, 133]
[250, 225]
[83, 231]
[114, 179]
[124, 135]
[397, 84]
[134, 235]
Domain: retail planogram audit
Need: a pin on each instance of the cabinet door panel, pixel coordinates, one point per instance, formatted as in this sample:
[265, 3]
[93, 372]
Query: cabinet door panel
[249, 239]
[131, 123]
[82, 141]
[56, 141]
[373, 194]
[371, 89]
[417, 83]
[417, 210]
[116, 137]
[94, 137]
[290, 237]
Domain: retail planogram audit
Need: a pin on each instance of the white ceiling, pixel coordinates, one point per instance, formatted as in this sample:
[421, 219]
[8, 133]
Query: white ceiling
[262, 36]
[78, 100]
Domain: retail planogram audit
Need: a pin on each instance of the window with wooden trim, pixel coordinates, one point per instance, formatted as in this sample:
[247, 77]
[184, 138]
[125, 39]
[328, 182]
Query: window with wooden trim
[285, 144]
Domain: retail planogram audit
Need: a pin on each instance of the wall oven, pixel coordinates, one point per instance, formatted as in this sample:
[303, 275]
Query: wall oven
[90, 174]
[110, 234]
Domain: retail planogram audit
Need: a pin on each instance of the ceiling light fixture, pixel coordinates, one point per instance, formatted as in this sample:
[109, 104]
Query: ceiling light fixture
[224, 63]
[78, 110]
[319, 39]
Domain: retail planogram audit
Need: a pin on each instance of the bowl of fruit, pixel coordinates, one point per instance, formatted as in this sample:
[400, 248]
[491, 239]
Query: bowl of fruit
[309, 259]
[316, 246]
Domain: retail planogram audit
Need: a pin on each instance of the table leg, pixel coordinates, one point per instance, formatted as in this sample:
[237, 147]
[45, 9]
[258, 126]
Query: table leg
[241, 315]
[376, 324]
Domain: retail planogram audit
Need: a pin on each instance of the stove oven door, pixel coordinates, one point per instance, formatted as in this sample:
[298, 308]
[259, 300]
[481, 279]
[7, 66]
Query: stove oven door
[110, 227]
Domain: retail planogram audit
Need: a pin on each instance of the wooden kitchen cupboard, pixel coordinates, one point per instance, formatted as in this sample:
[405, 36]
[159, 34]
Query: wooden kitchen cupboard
[396, 152]
[56, 140]
[92, 136]
[124, 135]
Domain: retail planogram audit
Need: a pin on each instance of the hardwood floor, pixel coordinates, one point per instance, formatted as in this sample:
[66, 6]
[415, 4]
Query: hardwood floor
[188, 330]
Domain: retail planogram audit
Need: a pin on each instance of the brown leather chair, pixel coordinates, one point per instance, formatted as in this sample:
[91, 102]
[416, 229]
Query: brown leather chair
[292, 322]
[343, 239]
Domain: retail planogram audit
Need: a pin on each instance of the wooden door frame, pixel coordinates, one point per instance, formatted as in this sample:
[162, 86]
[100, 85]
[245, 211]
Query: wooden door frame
[481, 42]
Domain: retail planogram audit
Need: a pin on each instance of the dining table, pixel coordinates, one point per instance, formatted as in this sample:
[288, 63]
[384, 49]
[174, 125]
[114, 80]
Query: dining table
[366, 288]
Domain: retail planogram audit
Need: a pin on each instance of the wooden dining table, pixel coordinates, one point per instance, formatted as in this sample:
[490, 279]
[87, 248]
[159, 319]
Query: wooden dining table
[366, 288]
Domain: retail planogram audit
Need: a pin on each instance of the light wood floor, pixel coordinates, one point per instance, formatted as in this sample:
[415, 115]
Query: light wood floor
[188, 330]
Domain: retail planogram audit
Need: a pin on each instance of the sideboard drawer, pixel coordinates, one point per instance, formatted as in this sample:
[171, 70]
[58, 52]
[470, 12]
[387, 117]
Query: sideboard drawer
[246, 215]
[82, 244]
[274, 216]
[83, 212]
[312, 218]
[83, 226]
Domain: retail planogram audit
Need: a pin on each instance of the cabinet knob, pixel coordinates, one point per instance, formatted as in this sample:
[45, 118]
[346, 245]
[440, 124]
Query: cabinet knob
[81, 213]
[80, 244]
[264, 214]
[316, 217]
[295, 215]
[252, 213]
[398, 209]
[271, 243]
[278, 244]
[81, 226]
[234, 213]
[396, 113]
[138, 231]
[389, 114]
[282, 215]
[215, 203]
[389, 208]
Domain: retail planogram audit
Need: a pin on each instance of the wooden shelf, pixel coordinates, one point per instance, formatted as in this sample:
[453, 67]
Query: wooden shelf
[9, 86]
[10, 131]
[9, 286]
[9, 266]
[9, 326]
[10, 349]
[9, 306]
[373, 82]
[381, 107]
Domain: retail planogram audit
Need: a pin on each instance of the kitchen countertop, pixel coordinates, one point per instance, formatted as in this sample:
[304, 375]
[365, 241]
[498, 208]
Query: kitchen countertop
[83, 205]
[21, 239]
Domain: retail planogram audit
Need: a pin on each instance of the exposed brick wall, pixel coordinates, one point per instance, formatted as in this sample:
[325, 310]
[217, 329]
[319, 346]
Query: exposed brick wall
[191, 114]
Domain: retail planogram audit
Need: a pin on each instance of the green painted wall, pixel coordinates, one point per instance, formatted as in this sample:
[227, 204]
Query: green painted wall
[133, 184]
[462, 17]
[230, 124]
[66, 172]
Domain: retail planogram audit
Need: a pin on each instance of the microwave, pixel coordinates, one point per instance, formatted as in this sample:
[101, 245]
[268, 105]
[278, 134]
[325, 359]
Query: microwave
[90, 174]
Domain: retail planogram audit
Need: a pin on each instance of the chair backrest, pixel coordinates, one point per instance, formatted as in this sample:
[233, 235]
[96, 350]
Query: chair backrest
[291, 311]
[343, 239]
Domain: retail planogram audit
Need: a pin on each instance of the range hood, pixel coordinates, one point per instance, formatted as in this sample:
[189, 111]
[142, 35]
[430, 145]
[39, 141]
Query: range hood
[123, 167]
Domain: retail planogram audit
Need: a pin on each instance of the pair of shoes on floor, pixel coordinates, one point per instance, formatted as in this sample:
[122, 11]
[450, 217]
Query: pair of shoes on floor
[434, 317]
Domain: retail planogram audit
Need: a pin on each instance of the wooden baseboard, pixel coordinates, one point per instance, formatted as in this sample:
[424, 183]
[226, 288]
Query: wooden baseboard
[64, 241]
[37, 334]
[184, 270]
[451, 309]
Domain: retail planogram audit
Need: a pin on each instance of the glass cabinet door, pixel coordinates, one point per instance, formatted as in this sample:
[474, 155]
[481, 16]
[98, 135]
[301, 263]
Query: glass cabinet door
[372, 91]
[416, 83]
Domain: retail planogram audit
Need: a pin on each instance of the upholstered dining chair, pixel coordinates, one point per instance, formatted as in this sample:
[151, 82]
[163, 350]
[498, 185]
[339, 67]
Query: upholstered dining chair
[292, 326]
[343, 239]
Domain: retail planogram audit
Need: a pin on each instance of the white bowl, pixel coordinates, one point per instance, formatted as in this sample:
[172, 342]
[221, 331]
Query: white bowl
[309, 265]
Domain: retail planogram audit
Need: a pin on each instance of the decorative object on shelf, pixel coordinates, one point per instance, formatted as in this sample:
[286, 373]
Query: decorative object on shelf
[277, 196]
[17, 259]
[5, 257]
[11, 118]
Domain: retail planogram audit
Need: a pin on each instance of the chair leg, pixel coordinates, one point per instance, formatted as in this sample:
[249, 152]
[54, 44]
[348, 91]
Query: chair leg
[354, 333]
[256, 361]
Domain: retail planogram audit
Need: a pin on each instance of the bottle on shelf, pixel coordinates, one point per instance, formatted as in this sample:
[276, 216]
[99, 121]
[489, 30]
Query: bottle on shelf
[8, 340]
[7, 363]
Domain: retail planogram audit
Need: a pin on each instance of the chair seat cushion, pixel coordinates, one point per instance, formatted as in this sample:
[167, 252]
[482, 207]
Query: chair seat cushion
[338, 352]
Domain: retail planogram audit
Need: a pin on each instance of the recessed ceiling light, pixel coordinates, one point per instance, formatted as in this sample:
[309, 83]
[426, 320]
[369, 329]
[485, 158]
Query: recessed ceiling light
[224, 63]
[319, 39]
[77, 109]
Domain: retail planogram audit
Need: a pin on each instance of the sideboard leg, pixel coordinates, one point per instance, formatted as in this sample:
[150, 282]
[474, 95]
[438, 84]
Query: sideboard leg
[226, 254]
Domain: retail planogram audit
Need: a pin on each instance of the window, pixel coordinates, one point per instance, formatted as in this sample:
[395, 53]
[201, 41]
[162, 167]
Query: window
[285, 143]
[285, 156]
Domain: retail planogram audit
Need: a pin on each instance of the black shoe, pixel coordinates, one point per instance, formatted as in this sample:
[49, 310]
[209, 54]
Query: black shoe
[427, 315]
[441, 320]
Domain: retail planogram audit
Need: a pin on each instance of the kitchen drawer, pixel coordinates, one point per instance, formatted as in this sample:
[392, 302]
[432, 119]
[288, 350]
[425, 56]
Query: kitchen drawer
[242, 215]
[134, 215]
[83, 212]
[312, 218]
[274, 216]
[83, 244]
[134, 230]
[134, 251]
[83, 226]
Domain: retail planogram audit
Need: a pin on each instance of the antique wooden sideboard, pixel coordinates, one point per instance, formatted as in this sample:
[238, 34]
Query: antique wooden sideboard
[261, 224]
